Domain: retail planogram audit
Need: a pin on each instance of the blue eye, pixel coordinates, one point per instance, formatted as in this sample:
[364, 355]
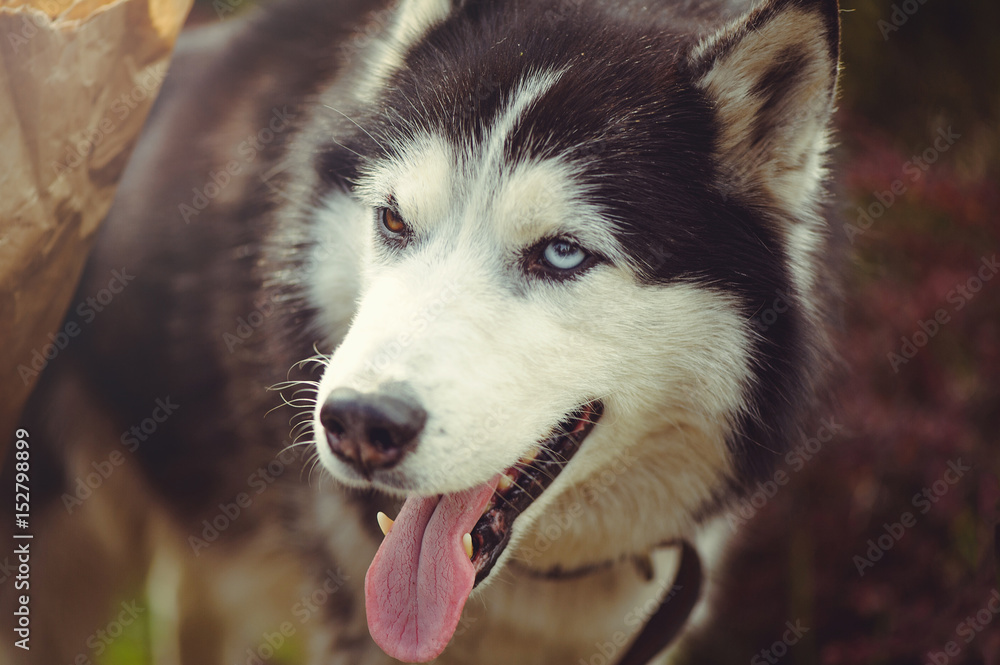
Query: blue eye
[564, 255]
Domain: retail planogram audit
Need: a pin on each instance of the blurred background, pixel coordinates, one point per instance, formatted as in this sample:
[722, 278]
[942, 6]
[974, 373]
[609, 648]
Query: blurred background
[913, 73]
[882, 548]
[918, 173]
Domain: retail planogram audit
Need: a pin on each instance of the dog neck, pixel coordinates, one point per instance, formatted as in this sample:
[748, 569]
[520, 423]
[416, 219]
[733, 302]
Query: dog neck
[673, 612]
[667, 620]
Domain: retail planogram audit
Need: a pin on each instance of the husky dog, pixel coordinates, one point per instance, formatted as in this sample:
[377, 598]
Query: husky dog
[542, 280]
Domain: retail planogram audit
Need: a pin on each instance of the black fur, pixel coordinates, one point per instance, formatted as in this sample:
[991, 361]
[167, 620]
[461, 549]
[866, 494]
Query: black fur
[628, 104]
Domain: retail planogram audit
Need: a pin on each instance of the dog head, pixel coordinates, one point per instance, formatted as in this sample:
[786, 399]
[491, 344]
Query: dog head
[545, 237]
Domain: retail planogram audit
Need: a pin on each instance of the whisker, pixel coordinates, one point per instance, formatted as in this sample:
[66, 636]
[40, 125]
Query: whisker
[528, 468]
[304, 426]
[505, 499]
[367, 133]
[312, 469]
[300, 402]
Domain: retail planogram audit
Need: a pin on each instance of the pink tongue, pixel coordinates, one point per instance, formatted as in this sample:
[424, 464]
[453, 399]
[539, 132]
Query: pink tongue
[421, 577]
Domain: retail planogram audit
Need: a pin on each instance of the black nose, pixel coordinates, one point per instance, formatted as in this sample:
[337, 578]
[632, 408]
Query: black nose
[371, 431]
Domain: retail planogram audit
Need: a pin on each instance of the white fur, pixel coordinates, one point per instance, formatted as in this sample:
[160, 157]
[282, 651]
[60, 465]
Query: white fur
[333, 271]
[498, 358]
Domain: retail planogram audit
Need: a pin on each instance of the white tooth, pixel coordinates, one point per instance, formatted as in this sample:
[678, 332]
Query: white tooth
[467, 543]
[505, 483]
[384, 523]
[528, 459]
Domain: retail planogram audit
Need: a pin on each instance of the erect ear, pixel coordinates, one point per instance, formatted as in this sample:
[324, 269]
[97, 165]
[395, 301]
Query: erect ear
[414, 18]
[772, 78]
[400, 26]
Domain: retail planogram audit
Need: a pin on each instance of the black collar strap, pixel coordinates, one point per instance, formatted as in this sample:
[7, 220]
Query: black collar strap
[673, 613]
[674, 609]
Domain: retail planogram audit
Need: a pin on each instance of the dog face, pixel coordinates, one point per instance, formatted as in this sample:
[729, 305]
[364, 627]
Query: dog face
[509, 301]
[505, 304]
[557, 241]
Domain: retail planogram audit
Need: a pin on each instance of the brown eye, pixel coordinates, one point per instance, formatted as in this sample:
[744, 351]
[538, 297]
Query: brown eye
[392, 222]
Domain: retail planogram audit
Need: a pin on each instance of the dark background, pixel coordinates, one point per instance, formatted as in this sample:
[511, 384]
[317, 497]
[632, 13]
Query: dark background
[939, 70]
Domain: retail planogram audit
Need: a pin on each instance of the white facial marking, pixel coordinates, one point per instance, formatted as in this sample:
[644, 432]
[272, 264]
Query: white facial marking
[422, 182]
[529, 92]
[546, 199]
[498, 357]
[333, 272]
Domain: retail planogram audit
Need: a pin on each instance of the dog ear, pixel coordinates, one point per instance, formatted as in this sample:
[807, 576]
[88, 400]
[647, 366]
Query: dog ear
[414, 18]
[771, 77]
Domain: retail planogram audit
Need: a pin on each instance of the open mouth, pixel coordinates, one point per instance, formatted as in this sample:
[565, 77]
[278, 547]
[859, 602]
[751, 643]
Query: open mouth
[521, 484]
[439, 548]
